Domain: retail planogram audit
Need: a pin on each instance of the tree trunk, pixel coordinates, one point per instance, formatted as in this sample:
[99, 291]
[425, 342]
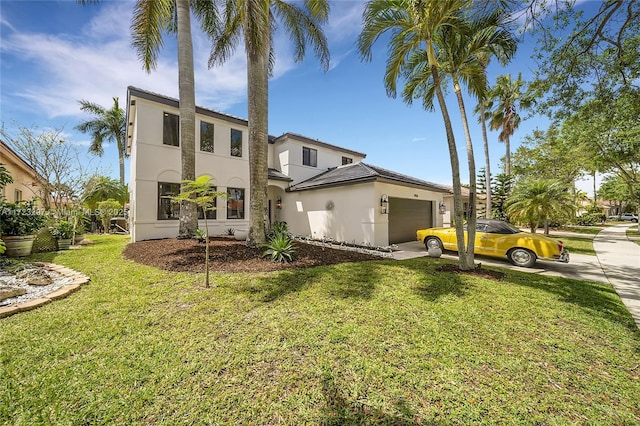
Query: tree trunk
[471, 214]
[487, 165]
[258, 100]
[507, 158]
[453, 157]
[188, 210]
[121, 149]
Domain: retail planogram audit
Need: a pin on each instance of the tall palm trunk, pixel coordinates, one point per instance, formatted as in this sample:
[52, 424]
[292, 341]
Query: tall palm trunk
[507, 158]
[120, 144]
[188, 211]
[487, 164]
[453, 156]
[471, 212]
[258, 99]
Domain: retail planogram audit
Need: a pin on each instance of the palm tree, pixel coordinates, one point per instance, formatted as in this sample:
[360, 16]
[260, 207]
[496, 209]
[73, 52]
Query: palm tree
[150, 19]
[254, 21]
[102, 188]
[536, 201]
[505, 116]
[415, 26]
[462, 55]
[107, 125]
[500, 44]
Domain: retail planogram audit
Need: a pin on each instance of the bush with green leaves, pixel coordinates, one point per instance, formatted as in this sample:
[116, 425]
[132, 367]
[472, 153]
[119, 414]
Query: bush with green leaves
[278, 228]
[107, 210]
[200, 235]
[588, 219]
[20, 218]
[280, 248]
[62, 230]
[3, 247]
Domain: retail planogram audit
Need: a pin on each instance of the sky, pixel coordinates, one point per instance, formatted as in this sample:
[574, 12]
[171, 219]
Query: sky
[54, 53]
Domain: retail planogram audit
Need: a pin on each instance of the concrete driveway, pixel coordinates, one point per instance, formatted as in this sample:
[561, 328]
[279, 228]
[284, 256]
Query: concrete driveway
[617, 263]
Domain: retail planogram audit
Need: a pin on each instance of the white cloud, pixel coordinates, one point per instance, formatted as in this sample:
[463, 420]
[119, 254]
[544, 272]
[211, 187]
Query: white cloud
[100, 64]
[97, 62]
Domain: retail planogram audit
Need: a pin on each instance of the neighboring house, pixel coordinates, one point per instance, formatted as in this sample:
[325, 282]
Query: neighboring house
[25, 184]
[320, 190]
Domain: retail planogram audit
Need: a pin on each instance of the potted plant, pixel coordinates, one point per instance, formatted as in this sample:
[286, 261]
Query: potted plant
[63, 233]
[18, 224]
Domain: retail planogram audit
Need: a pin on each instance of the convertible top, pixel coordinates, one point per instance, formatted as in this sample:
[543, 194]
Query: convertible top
[493, 226]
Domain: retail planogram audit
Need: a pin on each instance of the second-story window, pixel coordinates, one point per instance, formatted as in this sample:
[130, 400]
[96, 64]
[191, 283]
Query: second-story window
[347, 160]
[236, 143]
[309, 157]
[206, 136]
[170, 129]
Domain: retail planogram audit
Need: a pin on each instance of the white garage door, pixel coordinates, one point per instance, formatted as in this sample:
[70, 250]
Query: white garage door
[406, 217]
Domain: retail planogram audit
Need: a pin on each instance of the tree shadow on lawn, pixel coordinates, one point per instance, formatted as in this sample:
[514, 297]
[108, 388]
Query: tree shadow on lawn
[596, 298]
[346, 280]
[340, 410]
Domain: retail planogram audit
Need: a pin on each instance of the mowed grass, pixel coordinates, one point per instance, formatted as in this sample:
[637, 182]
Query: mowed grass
[576, 244]
[381, 342]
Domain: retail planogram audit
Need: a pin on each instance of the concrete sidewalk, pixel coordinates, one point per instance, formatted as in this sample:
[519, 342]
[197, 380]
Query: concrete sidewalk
[620, 260]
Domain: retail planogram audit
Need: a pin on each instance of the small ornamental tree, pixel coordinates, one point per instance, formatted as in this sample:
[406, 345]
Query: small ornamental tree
[203, 193]
[107, 210]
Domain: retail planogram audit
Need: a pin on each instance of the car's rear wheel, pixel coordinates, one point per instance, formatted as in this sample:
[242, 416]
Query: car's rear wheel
[522, 257]
[433, 243]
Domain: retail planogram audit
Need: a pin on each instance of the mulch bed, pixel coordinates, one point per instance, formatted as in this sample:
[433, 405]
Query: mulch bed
[228, 255]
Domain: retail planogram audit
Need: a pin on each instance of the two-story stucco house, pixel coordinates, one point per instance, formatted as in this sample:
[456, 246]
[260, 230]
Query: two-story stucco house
[319, 189]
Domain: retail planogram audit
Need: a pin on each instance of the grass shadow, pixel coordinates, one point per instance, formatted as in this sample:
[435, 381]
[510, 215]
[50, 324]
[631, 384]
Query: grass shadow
[346, 280]
[340, 410]
[596, 298]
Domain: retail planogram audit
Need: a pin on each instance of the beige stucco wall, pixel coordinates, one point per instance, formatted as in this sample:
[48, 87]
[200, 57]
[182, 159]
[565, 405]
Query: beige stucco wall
[153, 162]
[24, 179]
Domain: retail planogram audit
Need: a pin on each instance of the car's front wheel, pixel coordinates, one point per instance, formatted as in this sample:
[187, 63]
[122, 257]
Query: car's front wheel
[433, 243]
[522, 257]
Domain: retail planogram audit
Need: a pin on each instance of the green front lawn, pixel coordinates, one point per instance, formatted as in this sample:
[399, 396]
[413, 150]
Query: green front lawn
[381, 342]
[576, 244]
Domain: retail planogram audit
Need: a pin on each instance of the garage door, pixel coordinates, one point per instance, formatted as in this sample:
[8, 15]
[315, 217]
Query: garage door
[406, 217]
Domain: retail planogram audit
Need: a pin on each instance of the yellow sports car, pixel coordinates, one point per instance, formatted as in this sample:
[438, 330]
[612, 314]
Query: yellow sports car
[499, 239]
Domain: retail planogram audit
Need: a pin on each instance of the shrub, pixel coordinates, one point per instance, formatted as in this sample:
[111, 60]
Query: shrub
[62, 230]
[3, 247]
[108, 209]
[20, 219]
[280, 247]
[278, 228]
[231, 231]
[200, 235]
[587, 219]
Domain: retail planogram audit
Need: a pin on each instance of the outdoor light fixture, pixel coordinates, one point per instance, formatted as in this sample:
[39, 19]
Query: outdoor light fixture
[278, 202]
[384, 204]
[441, 207]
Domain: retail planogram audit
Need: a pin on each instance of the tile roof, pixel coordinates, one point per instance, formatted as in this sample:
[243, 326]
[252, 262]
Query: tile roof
[361, 172]
[278, 175]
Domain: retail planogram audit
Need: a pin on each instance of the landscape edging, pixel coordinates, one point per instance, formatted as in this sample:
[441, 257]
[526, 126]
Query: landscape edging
[77, 279]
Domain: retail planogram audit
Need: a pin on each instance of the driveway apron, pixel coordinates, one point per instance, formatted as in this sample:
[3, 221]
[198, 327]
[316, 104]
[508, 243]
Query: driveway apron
[620, 260]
